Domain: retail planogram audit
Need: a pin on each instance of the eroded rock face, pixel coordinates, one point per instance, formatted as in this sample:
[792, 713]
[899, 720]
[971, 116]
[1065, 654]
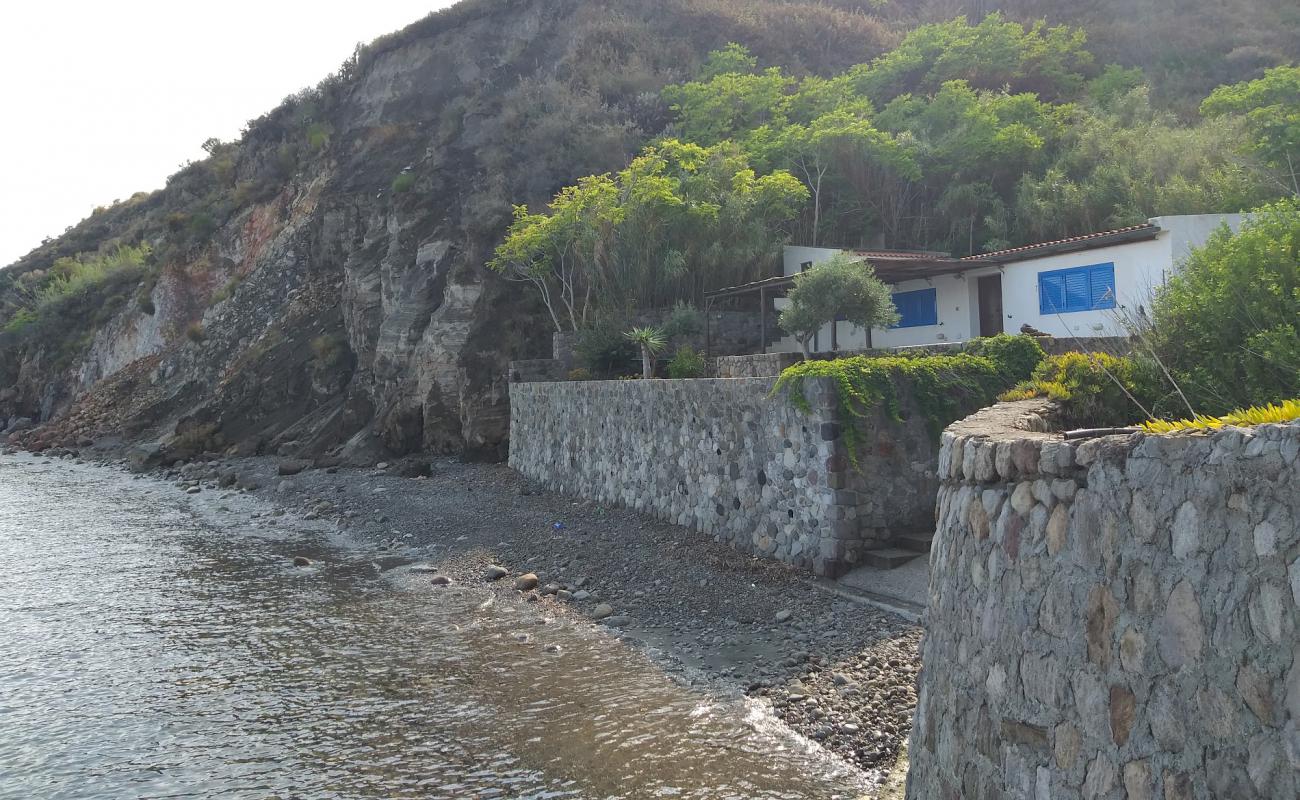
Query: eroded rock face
[340, 309]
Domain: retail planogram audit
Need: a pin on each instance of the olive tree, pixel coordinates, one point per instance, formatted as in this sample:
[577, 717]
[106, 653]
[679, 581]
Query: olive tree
[839, 288]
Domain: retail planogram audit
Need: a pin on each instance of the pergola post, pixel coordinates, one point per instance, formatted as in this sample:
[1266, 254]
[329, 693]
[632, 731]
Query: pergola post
[762, 318]
[708, 328]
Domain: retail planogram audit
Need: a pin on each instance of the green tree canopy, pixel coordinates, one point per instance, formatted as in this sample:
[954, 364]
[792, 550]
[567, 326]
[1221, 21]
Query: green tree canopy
[1271, 107]
[841, 288]
[680, 219]
[969, 138]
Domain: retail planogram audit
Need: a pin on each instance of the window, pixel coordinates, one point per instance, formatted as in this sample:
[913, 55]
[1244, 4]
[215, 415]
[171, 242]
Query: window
[1090, 288]
[917, 308]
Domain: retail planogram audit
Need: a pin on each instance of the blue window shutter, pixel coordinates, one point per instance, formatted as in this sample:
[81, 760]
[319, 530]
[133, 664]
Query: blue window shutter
[918, 308]
[1102, 279]
[1077, 294]
[1089, 288]
[1051, 293]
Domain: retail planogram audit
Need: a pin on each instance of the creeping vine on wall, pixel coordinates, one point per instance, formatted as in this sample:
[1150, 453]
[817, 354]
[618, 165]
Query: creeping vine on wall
[945, 388]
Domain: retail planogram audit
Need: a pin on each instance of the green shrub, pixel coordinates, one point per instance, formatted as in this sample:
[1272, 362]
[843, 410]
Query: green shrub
[687, 363]
[684, 320]
[227, 291]
[403, 183]
[318, 135]
[200, 226]
[580, 374]
[329, 350]
[20, 321]
[83, 274]
[604, 351]
[1094, 389]
[195, 332]
[946, 388]
[1228, 324]
[1016, 357]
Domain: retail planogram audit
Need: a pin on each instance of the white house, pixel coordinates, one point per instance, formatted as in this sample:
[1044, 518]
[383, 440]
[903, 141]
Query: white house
[1077, 287]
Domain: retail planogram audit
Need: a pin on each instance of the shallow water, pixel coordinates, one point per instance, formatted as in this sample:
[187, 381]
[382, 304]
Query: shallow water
[154, 646]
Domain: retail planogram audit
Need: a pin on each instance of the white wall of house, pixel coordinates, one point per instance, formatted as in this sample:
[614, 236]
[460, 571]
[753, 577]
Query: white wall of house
[1139, 268]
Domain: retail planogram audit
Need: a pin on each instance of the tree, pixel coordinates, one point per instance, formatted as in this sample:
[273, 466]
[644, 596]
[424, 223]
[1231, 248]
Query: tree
[841, 288]
[1119, 165]
[994, 54]
[651, 341]
[1228, 324]
[1271, 106]
[680, 219]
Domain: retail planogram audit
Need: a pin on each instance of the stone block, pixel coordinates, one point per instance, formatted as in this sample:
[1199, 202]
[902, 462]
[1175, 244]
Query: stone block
[1004, 462]
[1025, 735]
[1138, 784]
[1123, 713]
[1058, 529]
[1100, 616]
[1022, 498]
[1182, 628]
[1067, 743]
[1256, 690]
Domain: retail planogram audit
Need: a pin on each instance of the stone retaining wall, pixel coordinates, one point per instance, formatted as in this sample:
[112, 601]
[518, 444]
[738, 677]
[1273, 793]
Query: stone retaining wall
[725, 457]
[1111, 619]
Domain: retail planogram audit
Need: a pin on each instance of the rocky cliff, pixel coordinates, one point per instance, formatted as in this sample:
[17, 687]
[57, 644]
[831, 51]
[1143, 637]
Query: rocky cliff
[319, 284]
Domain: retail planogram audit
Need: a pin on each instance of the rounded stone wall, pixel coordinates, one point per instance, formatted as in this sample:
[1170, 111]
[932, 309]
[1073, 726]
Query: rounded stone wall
[1115, 618]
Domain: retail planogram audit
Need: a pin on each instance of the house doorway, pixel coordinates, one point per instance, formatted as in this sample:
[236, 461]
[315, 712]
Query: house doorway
[990, 304]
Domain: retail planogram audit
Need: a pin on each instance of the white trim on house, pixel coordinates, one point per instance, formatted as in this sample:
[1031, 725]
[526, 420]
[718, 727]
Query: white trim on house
[1139, 267]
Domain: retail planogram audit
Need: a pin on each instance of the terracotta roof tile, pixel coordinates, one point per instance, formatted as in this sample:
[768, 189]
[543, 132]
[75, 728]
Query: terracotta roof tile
[1146, 226]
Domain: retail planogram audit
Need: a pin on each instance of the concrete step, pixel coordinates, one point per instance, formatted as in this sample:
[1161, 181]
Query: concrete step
[888, 557]
[916, 542]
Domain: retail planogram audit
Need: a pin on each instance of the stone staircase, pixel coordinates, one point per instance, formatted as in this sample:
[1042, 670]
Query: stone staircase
[904, 549]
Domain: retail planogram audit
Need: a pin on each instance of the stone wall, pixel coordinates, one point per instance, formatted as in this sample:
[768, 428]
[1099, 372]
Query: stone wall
[756, 365]
[727, 458]
[1111, 619]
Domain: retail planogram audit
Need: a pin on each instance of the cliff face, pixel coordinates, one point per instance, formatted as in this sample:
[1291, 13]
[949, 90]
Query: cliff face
[320, 284]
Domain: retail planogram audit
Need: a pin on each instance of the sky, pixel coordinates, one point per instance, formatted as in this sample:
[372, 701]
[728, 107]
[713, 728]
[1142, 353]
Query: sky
[99, 100]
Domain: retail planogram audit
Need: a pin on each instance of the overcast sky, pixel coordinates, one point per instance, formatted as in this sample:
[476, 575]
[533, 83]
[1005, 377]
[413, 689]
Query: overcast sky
[99, 100]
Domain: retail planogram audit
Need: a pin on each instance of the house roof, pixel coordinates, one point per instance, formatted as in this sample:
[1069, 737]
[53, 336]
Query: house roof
[896, 266]
[1133, 233]
[891, 266]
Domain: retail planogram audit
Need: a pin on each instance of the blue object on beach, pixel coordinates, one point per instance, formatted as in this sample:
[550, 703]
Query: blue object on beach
[559, 526]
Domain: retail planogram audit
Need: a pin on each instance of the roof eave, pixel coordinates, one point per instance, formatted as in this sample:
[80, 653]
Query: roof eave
[1039, 251]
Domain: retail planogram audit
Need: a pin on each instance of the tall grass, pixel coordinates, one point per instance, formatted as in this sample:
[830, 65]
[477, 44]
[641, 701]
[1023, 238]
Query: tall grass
[41, 296]
[79, 275]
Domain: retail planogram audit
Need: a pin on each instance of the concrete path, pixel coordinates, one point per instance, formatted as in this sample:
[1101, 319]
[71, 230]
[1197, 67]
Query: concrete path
[905, 587]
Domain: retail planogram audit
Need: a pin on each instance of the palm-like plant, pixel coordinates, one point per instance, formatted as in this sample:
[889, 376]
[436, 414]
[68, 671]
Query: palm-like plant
[652, 341]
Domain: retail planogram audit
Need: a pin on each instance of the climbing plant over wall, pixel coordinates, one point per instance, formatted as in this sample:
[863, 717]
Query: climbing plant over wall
[945, 388]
